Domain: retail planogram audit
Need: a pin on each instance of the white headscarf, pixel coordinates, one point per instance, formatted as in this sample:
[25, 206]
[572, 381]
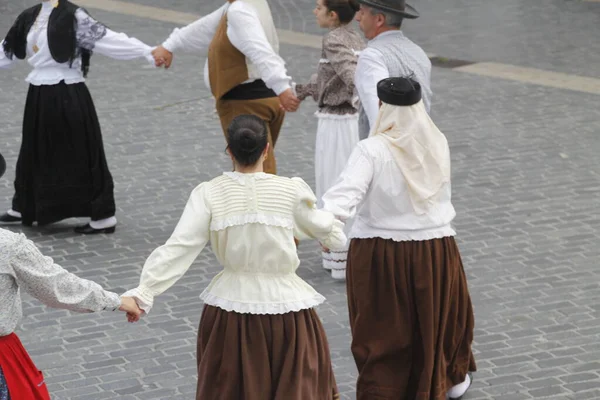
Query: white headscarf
[419, 149]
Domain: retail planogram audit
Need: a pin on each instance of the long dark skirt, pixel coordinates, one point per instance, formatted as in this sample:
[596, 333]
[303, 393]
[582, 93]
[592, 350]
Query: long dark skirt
[61, 170]
[411, 318]
[263, 357]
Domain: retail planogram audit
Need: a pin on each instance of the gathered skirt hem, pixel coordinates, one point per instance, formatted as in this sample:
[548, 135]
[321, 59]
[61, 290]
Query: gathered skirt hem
[258, 357]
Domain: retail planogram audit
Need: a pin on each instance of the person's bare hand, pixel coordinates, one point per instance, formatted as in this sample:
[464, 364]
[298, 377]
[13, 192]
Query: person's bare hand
[129, 306]
[289, 101]
[162, 57]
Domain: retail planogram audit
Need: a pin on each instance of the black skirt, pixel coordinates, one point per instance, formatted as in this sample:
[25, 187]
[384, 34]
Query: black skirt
[61, 170]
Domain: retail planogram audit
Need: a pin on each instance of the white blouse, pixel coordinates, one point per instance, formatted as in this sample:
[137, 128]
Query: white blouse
[242, 23]
[373, 189]
[91, 35]
[251, 221]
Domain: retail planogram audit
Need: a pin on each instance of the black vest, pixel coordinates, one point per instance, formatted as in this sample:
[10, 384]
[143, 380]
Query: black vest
[62, 35]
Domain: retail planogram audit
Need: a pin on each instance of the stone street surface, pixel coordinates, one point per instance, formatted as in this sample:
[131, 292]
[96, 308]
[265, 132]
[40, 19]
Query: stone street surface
[526, 187]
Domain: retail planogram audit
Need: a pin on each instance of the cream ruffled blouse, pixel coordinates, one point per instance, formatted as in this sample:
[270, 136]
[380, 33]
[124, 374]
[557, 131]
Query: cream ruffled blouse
[251, 221]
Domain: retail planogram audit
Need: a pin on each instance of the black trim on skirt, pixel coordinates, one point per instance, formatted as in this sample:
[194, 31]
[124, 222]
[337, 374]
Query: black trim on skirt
[62, 170]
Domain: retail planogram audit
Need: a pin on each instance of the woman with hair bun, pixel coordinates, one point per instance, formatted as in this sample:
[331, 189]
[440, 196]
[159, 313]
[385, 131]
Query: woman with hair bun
[332, 87]
[259, 336]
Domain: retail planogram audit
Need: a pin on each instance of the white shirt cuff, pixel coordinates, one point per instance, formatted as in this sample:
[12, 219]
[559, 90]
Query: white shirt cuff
[281, 87]
[170, 45]
[143, 300]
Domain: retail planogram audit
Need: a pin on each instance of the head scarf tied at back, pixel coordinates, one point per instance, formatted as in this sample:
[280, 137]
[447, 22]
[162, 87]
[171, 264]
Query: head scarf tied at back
[419, 148]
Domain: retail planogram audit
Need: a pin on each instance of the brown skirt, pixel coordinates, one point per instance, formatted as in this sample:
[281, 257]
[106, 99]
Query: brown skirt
[411, 318]
[263, 357]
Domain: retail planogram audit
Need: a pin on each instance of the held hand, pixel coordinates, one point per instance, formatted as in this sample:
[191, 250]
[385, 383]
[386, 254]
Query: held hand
[129, 306]
[162, 57]
[289, 102]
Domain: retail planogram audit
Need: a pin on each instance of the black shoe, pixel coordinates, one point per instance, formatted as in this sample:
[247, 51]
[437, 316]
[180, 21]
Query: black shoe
[88, 230]
[6, 218]
[470, 383]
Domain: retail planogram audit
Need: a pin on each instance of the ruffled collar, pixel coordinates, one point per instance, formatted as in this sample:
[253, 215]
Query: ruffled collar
[243, 177]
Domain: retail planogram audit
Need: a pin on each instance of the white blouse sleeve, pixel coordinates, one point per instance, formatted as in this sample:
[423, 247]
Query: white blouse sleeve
[196, 37]
[352, 185]
[310, 222]
[5, 62]
[94, 36]
[168, 263]
[245, 32]
[53, 285]
[370, 69]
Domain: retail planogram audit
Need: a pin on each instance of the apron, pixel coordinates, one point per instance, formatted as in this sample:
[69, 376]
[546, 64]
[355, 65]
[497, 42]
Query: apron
[24, 380]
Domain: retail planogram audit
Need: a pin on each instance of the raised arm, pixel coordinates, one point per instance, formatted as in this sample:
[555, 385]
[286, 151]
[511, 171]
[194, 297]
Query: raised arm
[310, 89]
[247, 35]
[352, 185]
[168, 263]
[95, 36]
[196, 37]
[53, 285]
[369, 71]
[310, 222]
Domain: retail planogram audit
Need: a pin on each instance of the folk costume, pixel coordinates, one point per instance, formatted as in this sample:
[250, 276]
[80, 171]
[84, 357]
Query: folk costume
[243, 71]
[337, 132]
[390, 54]
[62, 170]
[23, 267]
[259, 336]
[410, 310]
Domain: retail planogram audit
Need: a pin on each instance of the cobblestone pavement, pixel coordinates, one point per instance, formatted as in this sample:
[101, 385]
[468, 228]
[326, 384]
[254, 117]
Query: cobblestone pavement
[526, 187]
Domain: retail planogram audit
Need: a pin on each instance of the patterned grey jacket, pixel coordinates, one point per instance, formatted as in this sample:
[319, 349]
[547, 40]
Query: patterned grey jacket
[332, 87]
[22, 266]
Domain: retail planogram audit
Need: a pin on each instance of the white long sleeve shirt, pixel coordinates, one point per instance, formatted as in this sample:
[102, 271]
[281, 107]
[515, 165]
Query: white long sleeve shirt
[91, 35]
[372, 68]
[251, 221]
[245, 33]
[372, 189]
[23, 267]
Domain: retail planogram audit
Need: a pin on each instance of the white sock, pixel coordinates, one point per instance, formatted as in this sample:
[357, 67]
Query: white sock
[14, 213]
[460, 389]
[104, 223]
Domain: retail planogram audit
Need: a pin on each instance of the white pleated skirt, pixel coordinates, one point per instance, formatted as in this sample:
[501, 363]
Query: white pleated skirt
[336, 137]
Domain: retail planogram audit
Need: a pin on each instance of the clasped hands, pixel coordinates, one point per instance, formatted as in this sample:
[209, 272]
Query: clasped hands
[129, 306]
[164, 58]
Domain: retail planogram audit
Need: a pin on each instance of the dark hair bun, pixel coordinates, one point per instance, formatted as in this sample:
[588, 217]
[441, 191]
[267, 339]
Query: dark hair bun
[345, 9]
[247, 139]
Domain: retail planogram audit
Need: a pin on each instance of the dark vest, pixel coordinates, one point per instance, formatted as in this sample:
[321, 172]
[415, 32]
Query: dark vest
[62, 35]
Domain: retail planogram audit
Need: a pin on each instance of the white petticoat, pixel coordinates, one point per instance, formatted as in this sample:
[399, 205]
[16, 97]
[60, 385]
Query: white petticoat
[336, 137]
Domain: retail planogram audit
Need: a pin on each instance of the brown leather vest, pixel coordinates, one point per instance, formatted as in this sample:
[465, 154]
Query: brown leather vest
[226, 64]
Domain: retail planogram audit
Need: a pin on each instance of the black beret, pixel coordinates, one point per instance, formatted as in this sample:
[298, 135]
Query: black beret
[399, 91]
